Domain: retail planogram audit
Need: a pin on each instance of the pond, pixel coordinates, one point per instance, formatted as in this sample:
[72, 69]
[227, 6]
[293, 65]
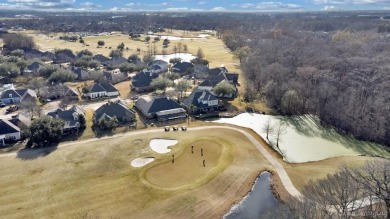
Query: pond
[184, 57]
[305, 139]
[256, 202]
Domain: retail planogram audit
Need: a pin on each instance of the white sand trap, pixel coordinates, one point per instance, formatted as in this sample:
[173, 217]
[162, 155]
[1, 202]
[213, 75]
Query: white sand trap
[161, 145]
[140, 162]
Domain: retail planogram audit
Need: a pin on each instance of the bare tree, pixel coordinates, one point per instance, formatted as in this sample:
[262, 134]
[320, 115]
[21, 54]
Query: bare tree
[280, 129]
[64, 103]
[337, 195]
[31, 107]
[182, 86]
[268, 127]
[374, 176]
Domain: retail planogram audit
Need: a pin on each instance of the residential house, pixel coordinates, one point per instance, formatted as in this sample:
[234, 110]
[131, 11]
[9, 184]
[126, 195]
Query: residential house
[59, 91]
[114, 108]
[141, 81]
[23, 122]
[31, 53]
[33, 68]
[101, 58]
[103, 89]
[13, 96]
[183, 68]
[209, 84]
[137, 62]
[115, 76]
[161, 108]
[158, 66]
[201, 101]
[64, 56]
[70, 117]
[115, 62]
[8, 132]
[82, 74]
[216, 71]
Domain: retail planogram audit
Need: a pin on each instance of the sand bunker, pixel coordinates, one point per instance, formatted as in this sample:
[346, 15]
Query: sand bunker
[140, 162]
[161, 145]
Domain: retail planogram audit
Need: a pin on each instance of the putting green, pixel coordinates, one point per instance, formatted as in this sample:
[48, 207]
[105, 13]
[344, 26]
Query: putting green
[187, 168]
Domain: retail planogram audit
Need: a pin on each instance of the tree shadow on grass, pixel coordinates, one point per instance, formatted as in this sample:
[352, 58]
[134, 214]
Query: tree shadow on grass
[310, 126]
[35, 153]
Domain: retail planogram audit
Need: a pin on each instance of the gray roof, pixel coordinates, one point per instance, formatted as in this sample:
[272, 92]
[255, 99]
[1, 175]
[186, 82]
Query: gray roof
[10, 93]
[70, 116]
[96, 88]
[143, 79]
[159, 104]
[157, 62]
[6, 127]
[17, 93]
[102, 87]
[111, 109]
[196, 98]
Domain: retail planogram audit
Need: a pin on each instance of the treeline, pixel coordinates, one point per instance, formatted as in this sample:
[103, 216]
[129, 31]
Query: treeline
[352, 192]
[342, 76]
[140, 22]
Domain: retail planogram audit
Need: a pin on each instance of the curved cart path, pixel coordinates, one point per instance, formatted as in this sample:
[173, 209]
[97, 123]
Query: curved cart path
[285, 179]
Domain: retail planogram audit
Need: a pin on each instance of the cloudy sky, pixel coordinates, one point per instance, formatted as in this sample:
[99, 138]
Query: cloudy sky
[197, 5]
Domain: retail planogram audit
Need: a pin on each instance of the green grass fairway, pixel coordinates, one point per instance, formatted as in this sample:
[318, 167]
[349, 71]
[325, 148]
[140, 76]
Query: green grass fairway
[95, 179]
[188, 168]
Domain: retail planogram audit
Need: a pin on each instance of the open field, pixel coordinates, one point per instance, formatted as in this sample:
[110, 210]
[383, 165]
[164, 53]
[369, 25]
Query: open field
[213, 48]
[97, 179]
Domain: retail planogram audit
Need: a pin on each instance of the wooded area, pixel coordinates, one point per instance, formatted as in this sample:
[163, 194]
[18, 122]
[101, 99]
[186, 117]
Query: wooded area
[334, 64]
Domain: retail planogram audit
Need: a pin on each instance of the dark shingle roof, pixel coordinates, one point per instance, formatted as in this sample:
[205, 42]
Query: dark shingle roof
[197, 96]
[108, 87]
[101, 87]
[156, 105]
[111, 109]
[68, 116]
[157, 62]
[143, 79]
[100, 58]
[96, 88]
[10, 93]
[182, 67]
[206, 83]
[7, 127]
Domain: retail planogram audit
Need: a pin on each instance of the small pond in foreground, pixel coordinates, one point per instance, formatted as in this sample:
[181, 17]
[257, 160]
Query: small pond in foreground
[256, 202]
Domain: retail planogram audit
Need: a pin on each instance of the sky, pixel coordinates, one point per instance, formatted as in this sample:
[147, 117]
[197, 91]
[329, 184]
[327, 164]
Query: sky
[196, 5]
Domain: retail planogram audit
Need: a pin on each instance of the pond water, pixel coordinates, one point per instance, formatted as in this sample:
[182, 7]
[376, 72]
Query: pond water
[184, 57]
[161, 146]
[305, 139]
[256, 202]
